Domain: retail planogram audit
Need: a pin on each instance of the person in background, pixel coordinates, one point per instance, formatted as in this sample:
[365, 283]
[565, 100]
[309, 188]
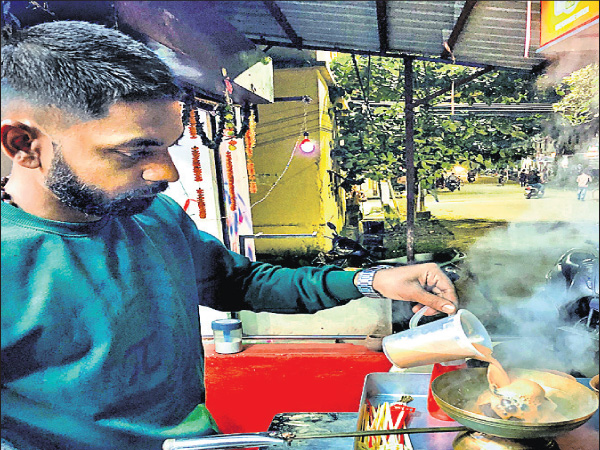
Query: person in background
[523, 178]
[102, 274]
[544, 175]
[583, 181]
[353, 205]
[533, 179]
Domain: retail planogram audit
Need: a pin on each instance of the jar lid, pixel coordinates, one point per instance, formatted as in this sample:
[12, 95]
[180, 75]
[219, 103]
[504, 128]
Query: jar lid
[226, 324]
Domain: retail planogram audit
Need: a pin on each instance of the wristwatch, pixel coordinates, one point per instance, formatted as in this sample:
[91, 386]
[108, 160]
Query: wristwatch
[363, 281]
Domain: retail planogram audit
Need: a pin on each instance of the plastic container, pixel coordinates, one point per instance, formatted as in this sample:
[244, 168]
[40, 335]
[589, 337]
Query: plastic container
[228, 335]
[438, 369]
[446, 339]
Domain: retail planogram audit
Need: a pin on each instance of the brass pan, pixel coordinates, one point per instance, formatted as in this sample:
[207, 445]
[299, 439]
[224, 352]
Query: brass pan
[453, 391]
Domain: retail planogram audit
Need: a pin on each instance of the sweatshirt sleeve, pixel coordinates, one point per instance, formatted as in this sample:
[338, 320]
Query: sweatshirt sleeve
[234, 283]
[228, 281]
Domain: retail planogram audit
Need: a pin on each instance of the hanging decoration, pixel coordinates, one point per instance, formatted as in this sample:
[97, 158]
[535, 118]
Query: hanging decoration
[196, 164]
[249, 143]
[225, 129]
[201, 203]
[197, 168]
[229, 135]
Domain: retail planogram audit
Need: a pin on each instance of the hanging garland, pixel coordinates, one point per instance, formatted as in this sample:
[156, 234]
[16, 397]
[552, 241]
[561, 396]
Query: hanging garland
[226, 131]
[249, 143]
[197, 168]
[196, 164]
[229, 136]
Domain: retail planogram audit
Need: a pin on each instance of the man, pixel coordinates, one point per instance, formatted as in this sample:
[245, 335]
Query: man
[523, 178]
[534, 179]
[102, 275]
[583, 180]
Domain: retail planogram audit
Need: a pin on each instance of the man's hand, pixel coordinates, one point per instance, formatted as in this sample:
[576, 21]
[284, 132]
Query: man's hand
[422, 283]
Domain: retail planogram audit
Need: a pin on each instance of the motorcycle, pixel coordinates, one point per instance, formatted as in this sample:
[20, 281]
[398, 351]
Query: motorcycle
[575, 278]
[471, 178]
[532, 191]
[453, 183]
[573, 285]
[346, 252]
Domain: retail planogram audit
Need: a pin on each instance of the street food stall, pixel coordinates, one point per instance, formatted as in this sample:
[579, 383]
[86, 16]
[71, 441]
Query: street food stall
[336, 391]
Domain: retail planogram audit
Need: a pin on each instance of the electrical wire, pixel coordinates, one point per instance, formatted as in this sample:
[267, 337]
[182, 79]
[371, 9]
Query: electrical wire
[305, 101]
[280, 176]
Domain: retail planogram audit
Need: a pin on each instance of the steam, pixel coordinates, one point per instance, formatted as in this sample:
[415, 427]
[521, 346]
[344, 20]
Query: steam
[513, 299]
[511, 295]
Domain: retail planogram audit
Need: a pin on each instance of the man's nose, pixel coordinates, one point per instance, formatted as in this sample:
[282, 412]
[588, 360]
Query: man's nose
[161, 169]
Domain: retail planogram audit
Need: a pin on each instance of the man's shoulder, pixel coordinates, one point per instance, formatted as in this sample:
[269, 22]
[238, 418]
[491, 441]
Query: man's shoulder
[165, 212]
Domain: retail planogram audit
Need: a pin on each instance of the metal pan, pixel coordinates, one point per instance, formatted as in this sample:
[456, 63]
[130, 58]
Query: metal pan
[455, 390]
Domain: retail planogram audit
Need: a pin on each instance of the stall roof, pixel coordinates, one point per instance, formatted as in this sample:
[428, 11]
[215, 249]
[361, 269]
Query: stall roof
[479, 33]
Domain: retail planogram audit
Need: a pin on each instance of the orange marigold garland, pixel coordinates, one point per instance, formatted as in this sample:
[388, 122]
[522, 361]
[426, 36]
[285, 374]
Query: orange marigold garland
[229, 165]
[196, 164]
[193, 124]
[250, 142]
[201, 203]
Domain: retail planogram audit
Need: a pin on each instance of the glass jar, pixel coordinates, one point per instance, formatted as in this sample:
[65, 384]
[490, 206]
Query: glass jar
[228, 335]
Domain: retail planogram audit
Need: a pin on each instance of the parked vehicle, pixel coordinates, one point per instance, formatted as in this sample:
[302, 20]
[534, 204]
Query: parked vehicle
[574, 280]
[572, 284]
[346, 252]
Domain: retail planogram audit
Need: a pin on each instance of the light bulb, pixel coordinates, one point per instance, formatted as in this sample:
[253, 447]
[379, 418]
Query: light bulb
[306, 145]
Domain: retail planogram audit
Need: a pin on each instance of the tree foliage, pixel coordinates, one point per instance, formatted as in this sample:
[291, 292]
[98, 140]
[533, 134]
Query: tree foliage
[579, 96]
[371, 140]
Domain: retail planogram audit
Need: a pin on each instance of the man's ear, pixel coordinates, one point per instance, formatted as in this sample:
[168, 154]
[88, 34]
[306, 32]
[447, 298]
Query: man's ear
[21, 143]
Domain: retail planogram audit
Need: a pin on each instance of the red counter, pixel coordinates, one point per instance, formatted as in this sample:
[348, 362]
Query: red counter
[245, 390]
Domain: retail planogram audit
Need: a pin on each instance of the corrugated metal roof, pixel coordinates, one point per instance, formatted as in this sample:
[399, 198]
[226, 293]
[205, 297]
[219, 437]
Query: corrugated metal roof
[495, 34]
[489, 33]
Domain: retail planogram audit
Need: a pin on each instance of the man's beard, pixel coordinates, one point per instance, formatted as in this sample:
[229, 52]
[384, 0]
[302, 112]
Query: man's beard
[92, 200]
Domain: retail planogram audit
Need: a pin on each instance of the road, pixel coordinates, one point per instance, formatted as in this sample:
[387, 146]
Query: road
[507, 203]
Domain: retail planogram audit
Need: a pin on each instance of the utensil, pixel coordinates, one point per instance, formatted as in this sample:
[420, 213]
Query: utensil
[446, 339]
[242, 440]
[594, 383]
[454, 391]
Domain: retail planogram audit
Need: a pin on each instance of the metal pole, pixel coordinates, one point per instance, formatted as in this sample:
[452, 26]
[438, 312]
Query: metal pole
[409, 117]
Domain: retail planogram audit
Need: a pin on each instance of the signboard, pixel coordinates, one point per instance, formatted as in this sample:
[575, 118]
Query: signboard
[560, 18]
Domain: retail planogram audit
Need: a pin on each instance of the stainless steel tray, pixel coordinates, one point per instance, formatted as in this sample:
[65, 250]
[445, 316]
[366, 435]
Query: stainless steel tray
[390, 387]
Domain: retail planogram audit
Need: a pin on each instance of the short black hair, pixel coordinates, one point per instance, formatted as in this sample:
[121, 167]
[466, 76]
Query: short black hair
[82, 68]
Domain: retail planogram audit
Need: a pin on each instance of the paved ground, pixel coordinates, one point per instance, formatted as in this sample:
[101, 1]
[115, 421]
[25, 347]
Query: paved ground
[507, 203]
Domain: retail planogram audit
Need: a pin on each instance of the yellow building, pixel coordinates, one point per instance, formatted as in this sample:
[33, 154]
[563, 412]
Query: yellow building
[297, 193]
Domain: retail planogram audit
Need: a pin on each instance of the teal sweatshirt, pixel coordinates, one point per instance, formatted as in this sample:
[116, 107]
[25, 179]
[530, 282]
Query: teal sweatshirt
[101, 344]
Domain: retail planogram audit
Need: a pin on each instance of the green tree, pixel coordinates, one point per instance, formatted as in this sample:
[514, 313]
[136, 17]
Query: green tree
[577, 108]
[371, 139]
[579, 96]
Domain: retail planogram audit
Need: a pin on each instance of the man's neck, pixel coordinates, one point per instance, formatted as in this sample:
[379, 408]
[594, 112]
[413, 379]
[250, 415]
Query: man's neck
[34, 198]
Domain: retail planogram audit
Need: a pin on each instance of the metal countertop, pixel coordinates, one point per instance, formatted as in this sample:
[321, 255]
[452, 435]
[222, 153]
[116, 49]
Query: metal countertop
[582, 438]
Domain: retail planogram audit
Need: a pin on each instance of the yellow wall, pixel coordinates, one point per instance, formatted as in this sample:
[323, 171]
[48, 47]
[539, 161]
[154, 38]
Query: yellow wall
[304, 198]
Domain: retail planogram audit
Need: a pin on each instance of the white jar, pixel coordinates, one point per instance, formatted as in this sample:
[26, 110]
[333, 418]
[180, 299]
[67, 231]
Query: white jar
[228, 335]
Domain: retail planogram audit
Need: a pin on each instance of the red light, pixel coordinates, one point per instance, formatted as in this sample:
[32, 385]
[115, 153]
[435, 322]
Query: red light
[306, 145]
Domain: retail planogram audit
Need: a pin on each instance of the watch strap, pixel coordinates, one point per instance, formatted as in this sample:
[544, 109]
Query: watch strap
[364, 281]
